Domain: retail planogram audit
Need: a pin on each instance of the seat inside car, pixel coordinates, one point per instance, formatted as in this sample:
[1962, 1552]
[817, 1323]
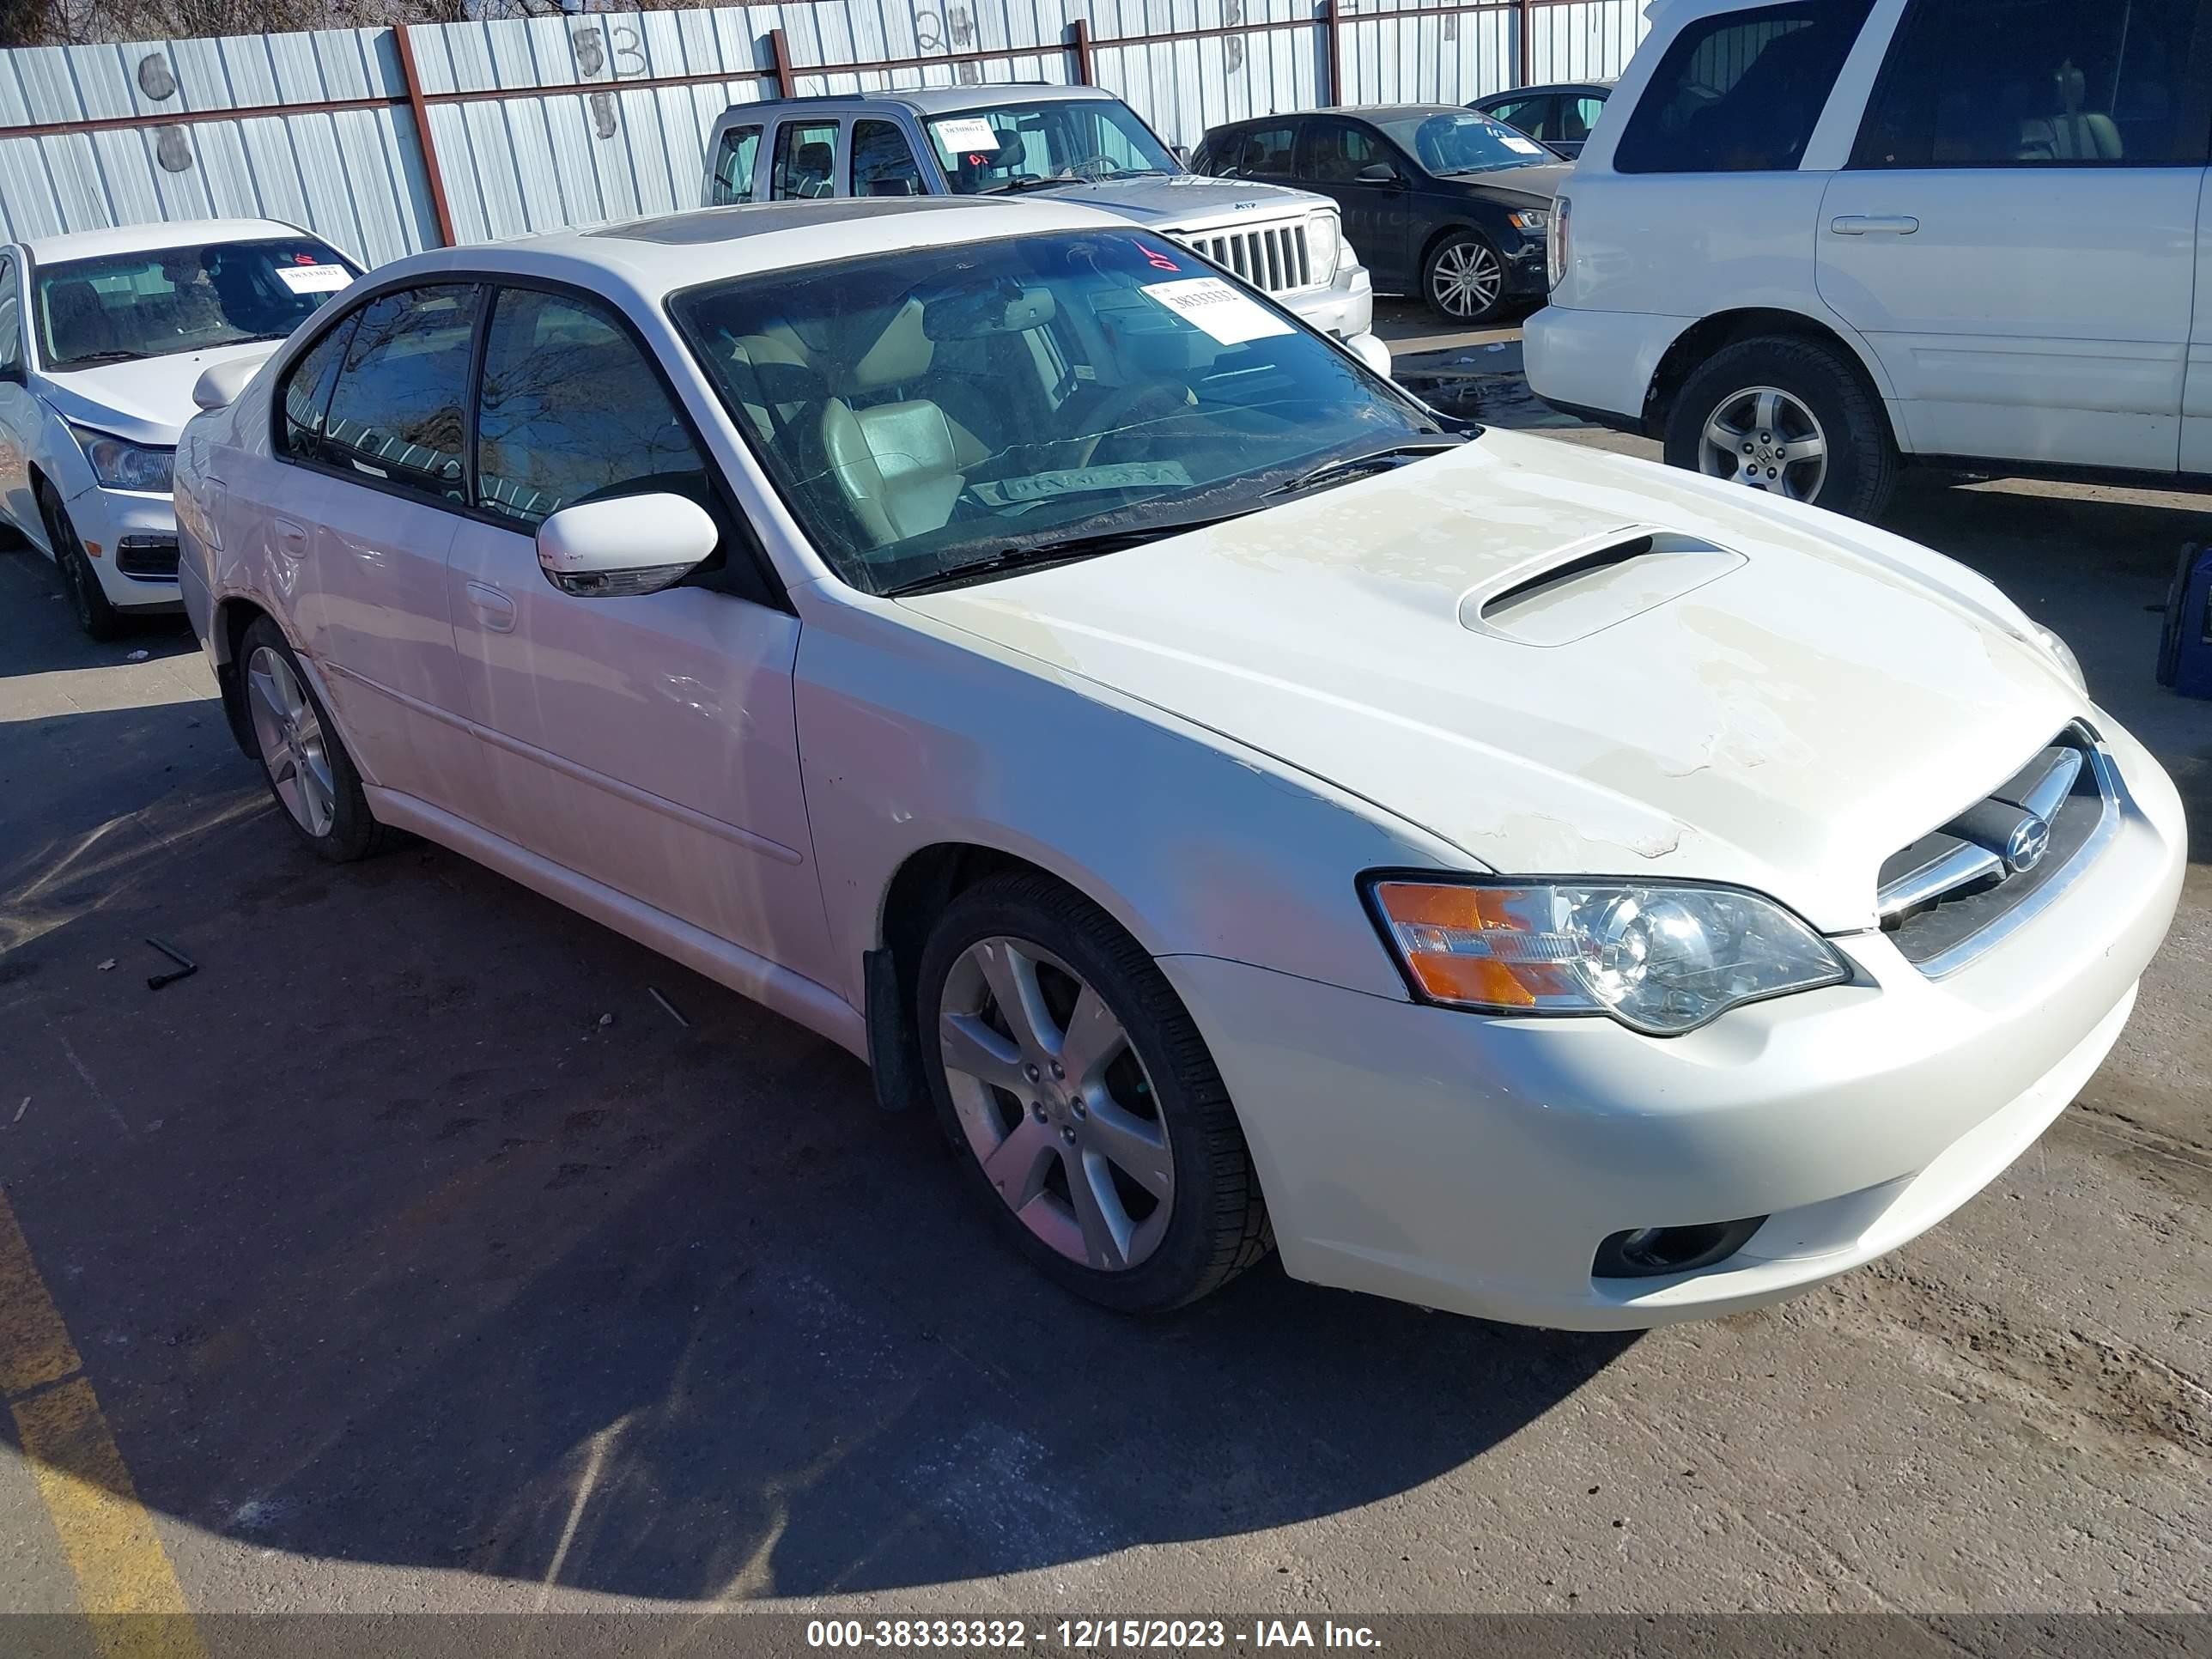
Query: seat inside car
[900, 461]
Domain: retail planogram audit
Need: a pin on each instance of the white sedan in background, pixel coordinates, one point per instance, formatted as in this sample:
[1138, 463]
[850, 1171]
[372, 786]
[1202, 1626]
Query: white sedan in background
[1250, 808]
[102, 335]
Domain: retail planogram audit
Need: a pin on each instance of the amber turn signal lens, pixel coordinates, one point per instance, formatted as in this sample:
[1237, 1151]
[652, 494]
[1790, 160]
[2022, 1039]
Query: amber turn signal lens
[1490, 946]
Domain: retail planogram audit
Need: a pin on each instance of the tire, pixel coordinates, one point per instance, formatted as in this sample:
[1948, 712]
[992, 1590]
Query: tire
[299, 747]
[1155, 1083]
[1860, 456]
[95, 614]
[1464, 250]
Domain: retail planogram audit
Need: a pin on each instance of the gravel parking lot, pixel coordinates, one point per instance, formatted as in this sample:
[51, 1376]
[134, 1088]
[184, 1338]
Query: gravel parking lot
[419, 1260]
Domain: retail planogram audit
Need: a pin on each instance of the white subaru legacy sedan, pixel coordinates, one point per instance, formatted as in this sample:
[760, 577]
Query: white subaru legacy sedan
[1252, 810]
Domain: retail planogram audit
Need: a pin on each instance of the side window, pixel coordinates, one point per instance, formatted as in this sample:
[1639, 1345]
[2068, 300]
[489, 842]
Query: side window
[1577, 116]
[1335, 151]
[570, 411]
[2038, 83]
[11, 318]
[735, 158]
[397, 413]
[1742, 91]
[882, 160]
[307, 393]
[1259, 152]
[1530, 115]
[805, 162]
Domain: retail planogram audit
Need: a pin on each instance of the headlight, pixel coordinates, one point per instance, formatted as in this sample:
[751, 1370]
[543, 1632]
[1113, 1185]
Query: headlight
[121, 465]
[2067, 660]
[1533, 222]
[1661, 960]
[1324, 240]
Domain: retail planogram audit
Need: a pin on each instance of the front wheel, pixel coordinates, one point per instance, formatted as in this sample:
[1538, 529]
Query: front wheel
[1081, 1099]
[1464, 278]
[1789, 417]
[88, 601]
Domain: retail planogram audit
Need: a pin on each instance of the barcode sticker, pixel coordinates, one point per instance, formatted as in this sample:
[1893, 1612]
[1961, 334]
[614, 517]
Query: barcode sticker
[314, 279]
[1218, 307]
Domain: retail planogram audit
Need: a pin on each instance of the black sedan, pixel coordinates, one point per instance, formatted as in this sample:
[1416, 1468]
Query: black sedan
[1439, 201]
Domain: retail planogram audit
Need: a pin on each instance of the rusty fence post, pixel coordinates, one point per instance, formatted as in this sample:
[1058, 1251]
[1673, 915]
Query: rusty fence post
[787, 79]
[408, 73]
[1085, 75]
[1331, 11]
[1528, 42]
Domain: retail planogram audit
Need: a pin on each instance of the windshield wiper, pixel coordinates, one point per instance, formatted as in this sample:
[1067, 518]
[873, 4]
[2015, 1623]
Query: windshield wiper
[1346, 468]
[95, 359]
[1064, 549]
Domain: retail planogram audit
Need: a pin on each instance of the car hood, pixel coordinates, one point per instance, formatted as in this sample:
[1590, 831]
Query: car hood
[1534, 184]
[1772, 697]
[1185, 200]
[148, 401]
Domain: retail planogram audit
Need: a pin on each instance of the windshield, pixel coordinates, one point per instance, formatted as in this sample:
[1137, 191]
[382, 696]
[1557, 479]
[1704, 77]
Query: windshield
[167, 299]
[1461, 141]
[925, 410]
[1021, 146]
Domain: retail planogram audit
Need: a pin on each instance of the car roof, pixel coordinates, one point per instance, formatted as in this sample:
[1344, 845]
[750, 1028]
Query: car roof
[652, 258]
[1513, 93]
[936, 100]
[136, 239]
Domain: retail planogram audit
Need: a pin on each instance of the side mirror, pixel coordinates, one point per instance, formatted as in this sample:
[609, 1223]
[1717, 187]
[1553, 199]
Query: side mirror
[1181, 153]
[1377, 172]
[630, 545]
[11, 374]
[219, 386]
[1371, 351]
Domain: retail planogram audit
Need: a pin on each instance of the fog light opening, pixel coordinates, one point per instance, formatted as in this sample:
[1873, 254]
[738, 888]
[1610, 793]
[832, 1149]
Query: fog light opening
[1653, 1252]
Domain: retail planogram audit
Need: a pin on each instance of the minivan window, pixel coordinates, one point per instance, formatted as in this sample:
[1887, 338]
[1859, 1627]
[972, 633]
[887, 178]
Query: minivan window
[735, 157]
[570, 411]
[398, 413]
[1743, 92]
[2038, 83]
[805, 162]
[882, 160]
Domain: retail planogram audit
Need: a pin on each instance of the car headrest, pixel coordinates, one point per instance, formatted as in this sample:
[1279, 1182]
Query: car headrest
[816, 159]
[901, 352]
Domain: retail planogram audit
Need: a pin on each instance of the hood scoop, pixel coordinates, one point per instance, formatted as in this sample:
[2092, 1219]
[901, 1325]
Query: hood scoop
[1582, 589]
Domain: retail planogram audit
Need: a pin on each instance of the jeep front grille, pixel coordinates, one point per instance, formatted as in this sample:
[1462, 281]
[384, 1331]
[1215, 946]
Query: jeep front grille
[1956, 891]
[1271, 257]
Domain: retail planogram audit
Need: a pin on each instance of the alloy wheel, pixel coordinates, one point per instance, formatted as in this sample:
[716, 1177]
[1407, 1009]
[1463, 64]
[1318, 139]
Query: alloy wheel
[1055, 1104]
[1769, 440]
[293, 747]
[1466, 279]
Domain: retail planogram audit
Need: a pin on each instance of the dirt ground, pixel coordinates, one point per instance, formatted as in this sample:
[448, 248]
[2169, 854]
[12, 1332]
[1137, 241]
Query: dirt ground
[406, 1280]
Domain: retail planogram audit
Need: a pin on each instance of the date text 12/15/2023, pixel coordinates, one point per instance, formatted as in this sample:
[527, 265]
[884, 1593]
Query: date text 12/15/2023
[1084, 1635]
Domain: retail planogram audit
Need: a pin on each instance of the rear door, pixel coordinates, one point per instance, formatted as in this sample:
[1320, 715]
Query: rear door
[1331, 154]
[2015, 234]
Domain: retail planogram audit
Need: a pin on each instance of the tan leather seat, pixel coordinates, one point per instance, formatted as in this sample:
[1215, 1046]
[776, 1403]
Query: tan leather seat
[901, 464]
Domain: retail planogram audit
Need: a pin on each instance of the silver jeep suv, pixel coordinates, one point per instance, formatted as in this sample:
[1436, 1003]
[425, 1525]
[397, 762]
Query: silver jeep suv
[1074, 143]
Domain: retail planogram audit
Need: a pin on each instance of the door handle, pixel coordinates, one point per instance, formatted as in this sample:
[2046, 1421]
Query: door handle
[291, 539]
[493, 608]
[1862, 224]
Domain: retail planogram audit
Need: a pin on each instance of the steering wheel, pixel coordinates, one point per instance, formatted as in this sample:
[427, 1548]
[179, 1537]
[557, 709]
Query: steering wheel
[1152, 399]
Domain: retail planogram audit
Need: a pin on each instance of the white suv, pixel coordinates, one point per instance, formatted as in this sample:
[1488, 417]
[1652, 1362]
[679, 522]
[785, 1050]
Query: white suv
[1812, 241]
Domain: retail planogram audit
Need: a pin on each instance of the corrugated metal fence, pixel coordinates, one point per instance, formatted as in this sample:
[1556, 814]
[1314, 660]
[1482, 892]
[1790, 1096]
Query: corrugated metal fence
[535, 123]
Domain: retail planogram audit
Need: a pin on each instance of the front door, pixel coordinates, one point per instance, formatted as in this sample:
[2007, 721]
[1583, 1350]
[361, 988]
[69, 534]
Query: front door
[2016, 233]
[648, 743]
[1333, 153]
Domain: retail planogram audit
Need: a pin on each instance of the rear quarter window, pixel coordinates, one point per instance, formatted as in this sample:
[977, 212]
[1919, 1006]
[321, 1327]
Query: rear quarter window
[1742, 91]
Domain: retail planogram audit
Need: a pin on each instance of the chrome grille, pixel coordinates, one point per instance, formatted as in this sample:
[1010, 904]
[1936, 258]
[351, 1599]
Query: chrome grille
[1956, 891]
[1271, 257]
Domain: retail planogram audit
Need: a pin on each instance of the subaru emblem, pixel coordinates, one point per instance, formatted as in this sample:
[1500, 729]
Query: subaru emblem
[2029, 842]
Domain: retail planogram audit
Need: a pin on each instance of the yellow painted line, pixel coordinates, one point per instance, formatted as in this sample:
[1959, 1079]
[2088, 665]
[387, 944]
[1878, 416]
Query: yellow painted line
[124, 1583]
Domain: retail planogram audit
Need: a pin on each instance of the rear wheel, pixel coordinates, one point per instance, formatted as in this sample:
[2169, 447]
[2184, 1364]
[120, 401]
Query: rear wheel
[1082, 1101]
[1464, 280]
[1789, 417]
[306, 765]
[87, 602]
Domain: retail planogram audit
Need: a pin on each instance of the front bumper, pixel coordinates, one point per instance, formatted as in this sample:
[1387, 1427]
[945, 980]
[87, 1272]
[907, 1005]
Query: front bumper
[1474, 1164]
[140, 577]
[1345, 309]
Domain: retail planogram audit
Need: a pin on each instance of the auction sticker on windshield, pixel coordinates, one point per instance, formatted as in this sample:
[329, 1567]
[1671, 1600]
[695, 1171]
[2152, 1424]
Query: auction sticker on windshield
[314, 279]
[969, 132]
[1525, 146]
[1215, 306]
